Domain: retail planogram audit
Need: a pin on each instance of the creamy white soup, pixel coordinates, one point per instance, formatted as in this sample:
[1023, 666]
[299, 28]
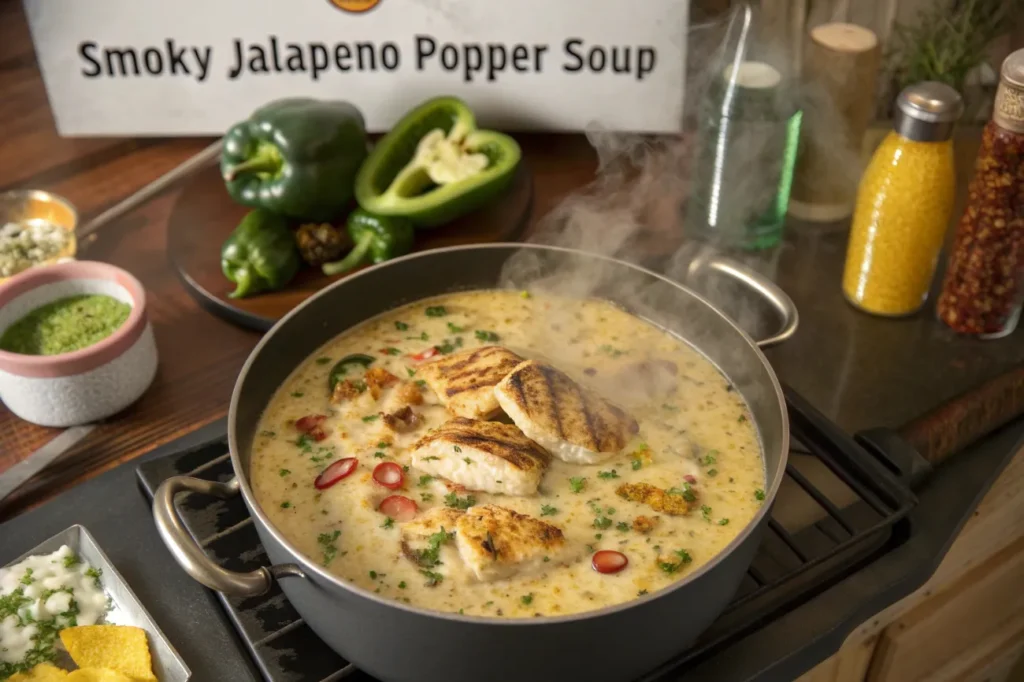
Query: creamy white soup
[369, 469]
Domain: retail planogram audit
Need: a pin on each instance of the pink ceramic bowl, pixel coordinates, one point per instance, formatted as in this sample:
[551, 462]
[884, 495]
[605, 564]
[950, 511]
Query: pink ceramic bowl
[87, 384]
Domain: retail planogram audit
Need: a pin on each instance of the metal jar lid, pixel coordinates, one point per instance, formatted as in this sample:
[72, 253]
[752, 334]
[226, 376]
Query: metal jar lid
[927, 111]
[1008, 111]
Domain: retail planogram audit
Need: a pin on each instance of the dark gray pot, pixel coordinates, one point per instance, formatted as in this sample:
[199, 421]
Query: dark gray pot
[396, 642]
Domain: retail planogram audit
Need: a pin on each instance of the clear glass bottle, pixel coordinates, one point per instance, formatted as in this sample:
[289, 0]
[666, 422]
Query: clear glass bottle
[903, 206]
[984, 284]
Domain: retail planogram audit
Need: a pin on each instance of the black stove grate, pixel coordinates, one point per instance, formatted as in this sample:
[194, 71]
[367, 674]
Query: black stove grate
[838, 509]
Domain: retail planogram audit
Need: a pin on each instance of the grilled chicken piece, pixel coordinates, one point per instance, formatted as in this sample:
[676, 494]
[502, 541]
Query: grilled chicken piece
[497, 543]
[645, 524]
[346, 390]
[572, 423]
[422, 542]
[377, 379]
[674, 502]
[403, 420]
[479, 455]
[465, 381]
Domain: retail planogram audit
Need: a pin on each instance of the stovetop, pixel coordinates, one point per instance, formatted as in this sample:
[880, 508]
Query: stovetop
[787, 642]
[837, 510]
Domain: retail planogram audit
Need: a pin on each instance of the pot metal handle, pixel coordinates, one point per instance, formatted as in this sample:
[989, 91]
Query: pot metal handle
[191, 557]
[763, 286]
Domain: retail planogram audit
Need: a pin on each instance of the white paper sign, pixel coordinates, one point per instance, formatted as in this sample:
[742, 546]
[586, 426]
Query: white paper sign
[190, 67]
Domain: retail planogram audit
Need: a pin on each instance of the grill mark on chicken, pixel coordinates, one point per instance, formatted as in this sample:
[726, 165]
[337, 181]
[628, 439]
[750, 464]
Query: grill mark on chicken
[490, 437]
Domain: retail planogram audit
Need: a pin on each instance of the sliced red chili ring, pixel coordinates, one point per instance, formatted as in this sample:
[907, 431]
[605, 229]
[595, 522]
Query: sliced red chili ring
[426, 354]
[335, 471]
[389, 475]
[398, 507]
[609, 561]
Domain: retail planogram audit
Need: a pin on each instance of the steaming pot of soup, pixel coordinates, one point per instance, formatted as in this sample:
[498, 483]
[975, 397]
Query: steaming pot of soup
[485, 462]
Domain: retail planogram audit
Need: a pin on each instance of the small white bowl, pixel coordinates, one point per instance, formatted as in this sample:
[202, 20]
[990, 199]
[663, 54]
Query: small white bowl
[88, 384]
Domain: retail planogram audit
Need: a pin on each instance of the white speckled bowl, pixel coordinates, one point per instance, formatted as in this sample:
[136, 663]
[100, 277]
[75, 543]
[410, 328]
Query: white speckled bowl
[87, 384]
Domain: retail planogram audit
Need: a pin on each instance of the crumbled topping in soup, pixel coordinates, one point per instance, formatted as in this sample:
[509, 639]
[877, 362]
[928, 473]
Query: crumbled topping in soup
[518, 514]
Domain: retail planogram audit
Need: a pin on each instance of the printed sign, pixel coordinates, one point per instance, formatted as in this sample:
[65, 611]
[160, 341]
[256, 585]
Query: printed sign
[194, 67]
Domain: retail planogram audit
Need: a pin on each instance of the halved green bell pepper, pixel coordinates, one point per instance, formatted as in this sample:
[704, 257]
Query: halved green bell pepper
[297, 157]
[458, 170]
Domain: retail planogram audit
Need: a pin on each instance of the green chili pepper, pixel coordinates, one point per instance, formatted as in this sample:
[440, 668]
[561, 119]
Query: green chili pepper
[376, 238]
[260, 255]
[297, 157]
[341, 367]
[435, 165]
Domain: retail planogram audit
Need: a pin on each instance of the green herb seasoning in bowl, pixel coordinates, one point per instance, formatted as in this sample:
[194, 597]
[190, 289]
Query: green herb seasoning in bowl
[65, 325]
[75, 343]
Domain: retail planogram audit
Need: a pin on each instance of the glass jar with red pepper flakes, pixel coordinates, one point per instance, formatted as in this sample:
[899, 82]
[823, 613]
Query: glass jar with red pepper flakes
[984, 285]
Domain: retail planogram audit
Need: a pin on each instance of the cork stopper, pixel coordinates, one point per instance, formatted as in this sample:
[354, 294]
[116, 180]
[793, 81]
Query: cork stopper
[1008, 111]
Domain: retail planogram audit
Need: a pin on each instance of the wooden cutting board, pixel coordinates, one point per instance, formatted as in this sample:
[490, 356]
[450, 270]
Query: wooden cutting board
[204, 216]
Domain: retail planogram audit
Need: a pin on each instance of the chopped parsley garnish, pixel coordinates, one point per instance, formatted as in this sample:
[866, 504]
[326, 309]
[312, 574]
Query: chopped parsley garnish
[455, 502]
[297, 394]
[371, 417]
[705, 512]
[433, 579]
[327, 546]
[602, 522]
[410, 371]
[577, 484]
[379, 455]
[405, 468]
[608, 474]
[388, 523]
[686, 492]
[759, 494]
[425, 479]
[421, 383]
[373, 575]
[614, 352]
[401, 326]
[401, 585]
[457, 448]
[286, 505]
[424, 336]
[383, 444]
[723, 522]
[742, 418]
[95, 574]
[436, 311]
[391, 350]
[467, 460]
[283, 472]
[446, 347]
[305, 442]
[267, 434]
[322, 361]
[710, 458]
[427, 459]
[548, 510]
[622, 525]
[426, 497]
[641, 593]
[71, 560]
[637, 464]
[526, 599]
[455, 329]
[673, 566]
[27, 579]
[712, 472]
[484, 335]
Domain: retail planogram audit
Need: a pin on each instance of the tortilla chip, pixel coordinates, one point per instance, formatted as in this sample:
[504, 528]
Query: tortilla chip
[96, 675]
[118, 647]
[44, 672]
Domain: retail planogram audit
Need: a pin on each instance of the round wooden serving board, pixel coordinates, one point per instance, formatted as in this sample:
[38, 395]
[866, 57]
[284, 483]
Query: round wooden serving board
[204, 216]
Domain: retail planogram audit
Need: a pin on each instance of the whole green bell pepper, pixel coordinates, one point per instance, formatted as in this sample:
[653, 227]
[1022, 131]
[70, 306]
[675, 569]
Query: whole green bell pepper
[435, 165]
[376, 238]
[297, 157]
[260, 255]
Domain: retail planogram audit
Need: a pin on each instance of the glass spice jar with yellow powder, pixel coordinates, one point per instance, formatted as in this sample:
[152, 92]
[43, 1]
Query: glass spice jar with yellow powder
[903, 205]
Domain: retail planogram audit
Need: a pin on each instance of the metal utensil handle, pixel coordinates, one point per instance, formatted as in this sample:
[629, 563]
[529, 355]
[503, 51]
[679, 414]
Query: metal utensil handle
[955, 424]
[190, 556]
[154, 188]
[764, 287]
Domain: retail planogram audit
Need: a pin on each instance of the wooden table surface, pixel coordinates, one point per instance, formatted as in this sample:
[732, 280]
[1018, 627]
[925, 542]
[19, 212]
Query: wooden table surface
[200, 355]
